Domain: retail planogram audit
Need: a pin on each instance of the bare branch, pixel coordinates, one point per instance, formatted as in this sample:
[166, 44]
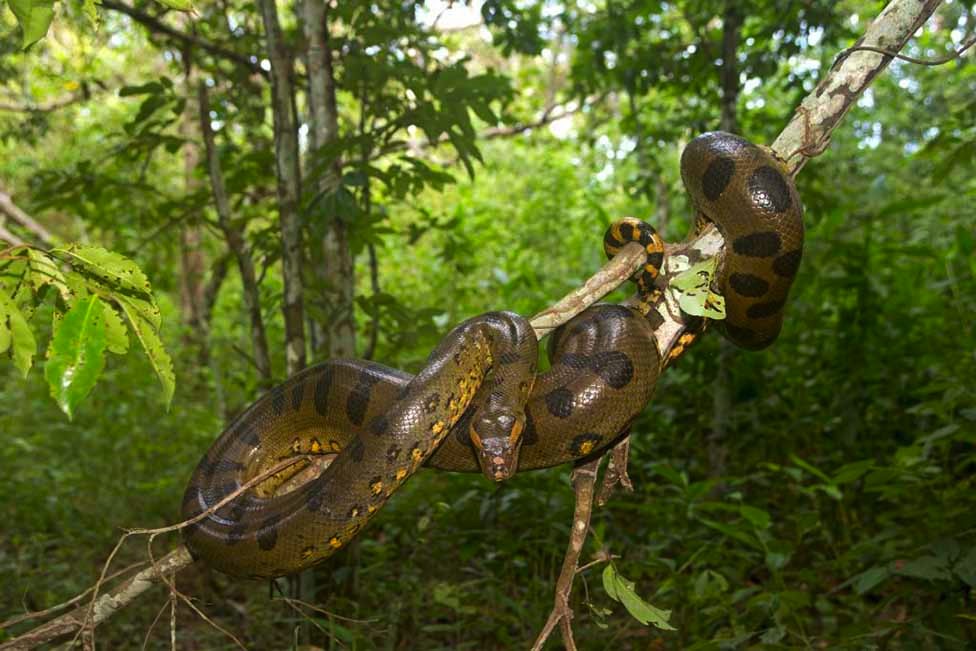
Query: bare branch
[157, 26]
[808, 133]
[9, 208]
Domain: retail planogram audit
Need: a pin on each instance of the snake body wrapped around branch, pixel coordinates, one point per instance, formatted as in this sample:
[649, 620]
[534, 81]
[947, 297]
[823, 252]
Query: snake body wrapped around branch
[478, 404]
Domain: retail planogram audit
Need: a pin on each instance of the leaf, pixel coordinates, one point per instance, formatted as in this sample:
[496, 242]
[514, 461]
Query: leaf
[76, 354]
[965, 568]
[16, 335]
[931, 568]
[115, 271]
[622, 590]
[695, 297]
[178, 5]
[853, 471]
[116, 337]
[867, 580]
[151, 343]
[34, 17]
[44, 271]
[759, 518]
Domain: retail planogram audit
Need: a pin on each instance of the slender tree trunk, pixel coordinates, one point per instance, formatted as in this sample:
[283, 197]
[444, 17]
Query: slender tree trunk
[336, 336]
[722, 386]
[192, 260]
[237, 245]
[289, 186]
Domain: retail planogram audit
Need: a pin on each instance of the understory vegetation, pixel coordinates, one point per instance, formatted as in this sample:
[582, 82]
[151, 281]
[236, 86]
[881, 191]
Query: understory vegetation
[817, 494]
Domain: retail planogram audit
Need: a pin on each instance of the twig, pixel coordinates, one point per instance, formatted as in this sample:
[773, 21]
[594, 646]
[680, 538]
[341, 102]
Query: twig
[13, 621]
[8, 207]
[805, 136]
[100, 608]
[584, 478]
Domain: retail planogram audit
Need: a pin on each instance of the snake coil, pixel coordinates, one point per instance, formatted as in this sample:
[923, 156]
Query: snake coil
[478, 404]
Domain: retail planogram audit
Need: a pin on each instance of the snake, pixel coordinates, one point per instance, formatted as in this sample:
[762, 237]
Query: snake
[479, 403]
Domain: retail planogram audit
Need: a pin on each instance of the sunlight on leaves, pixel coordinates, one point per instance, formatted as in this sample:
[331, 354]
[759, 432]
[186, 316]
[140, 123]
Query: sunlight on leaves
[694, 294]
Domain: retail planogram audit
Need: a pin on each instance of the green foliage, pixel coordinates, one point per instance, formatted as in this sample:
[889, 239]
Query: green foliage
[620, 589]
[693, 287]
[34, 17]
[76, 355]
[843, 516]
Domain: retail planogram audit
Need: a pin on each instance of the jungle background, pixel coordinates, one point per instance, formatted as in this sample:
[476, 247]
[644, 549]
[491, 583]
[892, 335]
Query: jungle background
[438, 161]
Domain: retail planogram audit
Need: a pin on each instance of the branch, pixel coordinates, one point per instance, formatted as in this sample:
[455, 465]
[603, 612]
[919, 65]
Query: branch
[236, 243]
[155, 25]
[808, 134]
[812, 125]
[9, 237]
[9, 208]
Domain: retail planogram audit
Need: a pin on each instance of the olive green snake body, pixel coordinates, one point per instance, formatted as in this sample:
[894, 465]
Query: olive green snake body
[478, 404]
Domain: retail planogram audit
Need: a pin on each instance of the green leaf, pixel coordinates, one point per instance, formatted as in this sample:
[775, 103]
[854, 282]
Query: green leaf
[43, 270]
[16, 335]
[622, 590]
[178, 5]
[759, 518]
[867, 580]
[694, 294]
[965, 568]
[34, 17]
[90, 9]
[931, 568]
[76, 355]
[116, 337]
[853, 471]
[112, 270]
[152, 344]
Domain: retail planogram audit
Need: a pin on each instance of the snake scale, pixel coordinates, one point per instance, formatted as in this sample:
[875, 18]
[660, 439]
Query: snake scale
[478, 404]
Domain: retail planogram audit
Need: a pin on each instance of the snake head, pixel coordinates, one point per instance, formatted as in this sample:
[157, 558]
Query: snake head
[497, 438]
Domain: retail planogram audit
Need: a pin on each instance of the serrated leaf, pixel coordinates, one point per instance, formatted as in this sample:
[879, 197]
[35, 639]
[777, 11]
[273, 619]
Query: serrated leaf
[116, 337]
[15, 335]
[112, 270]
[695, 297]
[153, 345]
[76, 355]
[43, 270]
[622, 590]
[34, 17]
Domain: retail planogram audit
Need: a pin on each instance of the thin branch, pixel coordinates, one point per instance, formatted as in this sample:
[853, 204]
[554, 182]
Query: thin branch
[251, 62]
[10, 238]
[9, 208]
[236, 243]
[808, 133]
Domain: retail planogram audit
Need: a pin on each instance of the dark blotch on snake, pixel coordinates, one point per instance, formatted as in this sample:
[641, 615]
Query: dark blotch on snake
[764, 244]
[322, 386]
[716, 178]
[560, 402]
[787, 264]
[357, 449]
[748, 285]
[268, 535]
[278, 401]
[763, 310]
[614, 367]
[297, 395]
[769, 190]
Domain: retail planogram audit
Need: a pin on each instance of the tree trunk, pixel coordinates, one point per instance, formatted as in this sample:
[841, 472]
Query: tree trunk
[192, 259]
[336, 336]
[289, 186]
[237, 245]
[722, 386]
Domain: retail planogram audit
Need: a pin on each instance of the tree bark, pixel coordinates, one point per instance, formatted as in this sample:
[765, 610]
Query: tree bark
[336, 337]
[13, 211]
[237, 245]
[192, 259]
[722, 385]
[289, 186]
